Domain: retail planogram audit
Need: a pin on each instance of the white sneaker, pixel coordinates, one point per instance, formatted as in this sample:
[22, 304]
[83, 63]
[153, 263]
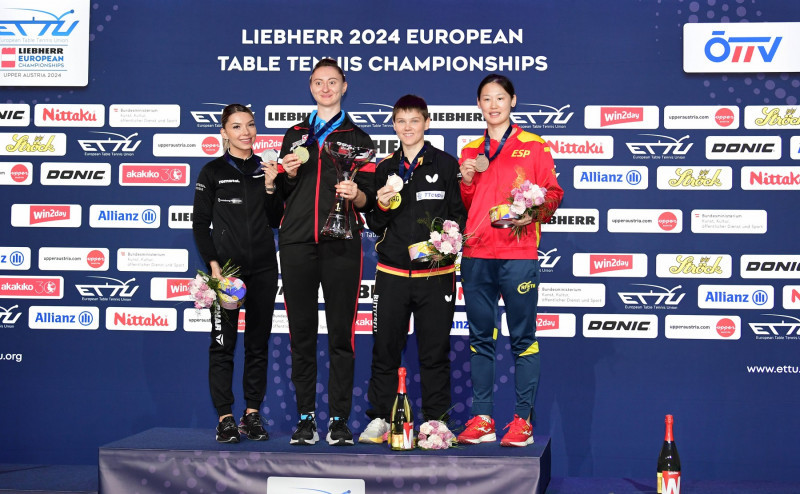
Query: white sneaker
[375, 432]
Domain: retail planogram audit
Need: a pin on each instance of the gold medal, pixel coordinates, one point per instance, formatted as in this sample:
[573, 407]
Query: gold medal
[302, 153]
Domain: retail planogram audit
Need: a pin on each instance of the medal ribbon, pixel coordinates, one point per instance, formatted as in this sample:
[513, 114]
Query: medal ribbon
[229, 160]
[405, 173]
[499, 146]
[314, 135]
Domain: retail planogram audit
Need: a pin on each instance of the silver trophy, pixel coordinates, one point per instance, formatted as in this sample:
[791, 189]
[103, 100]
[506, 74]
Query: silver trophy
[348, 160]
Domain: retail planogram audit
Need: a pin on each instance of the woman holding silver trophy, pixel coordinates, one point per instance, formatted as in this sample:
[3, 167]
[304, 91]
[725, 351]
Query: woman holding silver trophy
[327, 182]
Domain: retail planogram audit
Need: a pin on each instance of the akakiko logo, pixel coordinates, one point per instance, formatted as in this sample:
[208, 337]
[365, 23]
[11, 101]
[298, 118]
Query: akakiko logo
[363, 323]
[15, 115]
[770, 178]
[8, 317]
[750, 47]
[621, 117]
[610, 177]
[63, 317]
[613, 265]
[694, 266]
[786, 328]
[660, 147]
[549, 259]
[554, 325]
[691, 178]
[701, 117]
[620, 326]
[31, 287]
[85, 174]
[15, 258]
[166, 289]
[42, 145]
[572, 295]
[743, 147]
[144, 116]
[149, 260]
[388, 144]
[53, 115]
[73, 259]
[769, 266]
[691, 327]
[16, 173]
[46, 215]
[180, 217]
[111, 289]
[657, 297]
[791, 297]
[141, 319]
[645, 220]
[771, 117]
[751, 221]
[154, 174]
[581, 147]
[573, 220]
[113, 145]
[735, 296]
[124, 216]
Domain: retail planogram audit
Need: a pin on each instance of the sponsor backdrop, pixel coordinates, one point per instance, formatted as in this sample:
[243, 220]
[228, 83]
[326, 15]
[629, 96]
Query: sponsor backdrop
[671, 275]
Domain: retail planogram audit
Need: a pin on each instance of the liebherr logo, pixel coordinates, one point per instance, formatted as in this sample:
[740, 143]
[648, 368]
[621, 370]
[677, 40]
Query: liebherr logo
[657, 297]
[787, 329]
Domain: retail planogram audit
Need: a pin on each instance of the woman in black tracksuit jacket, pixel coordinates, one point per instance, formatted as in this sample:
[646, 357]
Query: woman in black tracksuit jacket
[310, 259]
[235, 194]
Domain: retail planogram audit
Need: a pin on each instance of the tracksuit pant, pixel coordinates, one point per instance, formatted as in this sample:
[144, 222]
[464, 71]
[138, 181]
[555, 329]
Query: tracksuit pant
[484, 281]
[432, 301]
[259, 304]
[336, 265]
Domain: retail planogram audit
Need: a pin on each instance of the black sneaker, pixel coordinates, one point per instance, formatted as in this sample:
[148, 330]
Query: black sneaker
[306, 432]
[338, 432]
[250, 426]
[227, 432]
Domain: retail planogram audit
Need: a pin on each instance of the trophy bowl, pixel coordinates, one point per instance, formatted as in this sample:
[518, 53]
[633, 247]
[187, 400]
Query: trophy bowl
[347, 159]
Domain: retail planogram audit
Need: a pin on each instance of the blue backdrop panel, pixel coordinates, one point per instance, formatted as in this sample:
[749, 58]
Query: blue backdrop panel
[602, 400]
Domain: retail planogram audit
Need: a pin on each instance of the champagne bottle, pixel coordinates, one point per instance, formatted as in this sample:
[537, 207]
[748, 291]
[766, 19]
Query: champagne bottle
[669, 463]
[401, 434]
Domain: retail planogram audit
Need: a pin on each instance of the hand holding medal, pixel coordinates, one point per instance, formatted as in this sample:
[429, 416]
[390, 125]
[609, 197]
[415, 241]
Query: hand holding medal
[389, 194]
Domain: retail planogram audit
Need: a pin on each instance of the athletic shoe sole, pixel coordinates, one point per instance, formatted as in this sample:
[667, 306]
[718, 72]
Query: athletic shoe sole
[486, 438]
[517, 443]
[370, 440]
[338, 442]
[305, 442]
[227, 441]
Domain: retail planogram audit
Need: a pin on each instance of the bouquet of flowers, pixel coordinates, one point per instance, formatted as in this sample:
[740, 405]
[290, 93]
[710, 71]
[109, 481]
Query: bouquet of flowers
[444, 243]
[525, 200]
[434, 434]
[209, 292]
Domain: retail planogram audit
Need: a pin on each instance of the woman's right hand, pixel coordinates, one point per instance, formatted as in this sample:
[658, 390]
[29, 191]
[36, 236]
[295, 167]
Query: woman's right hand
[385, 195]
[216, 270]
[291, 163]
[467, 171]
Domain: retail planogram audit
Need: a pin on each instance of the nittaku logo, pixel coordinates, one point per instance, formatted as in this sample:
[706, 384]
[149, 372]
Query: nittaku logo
[123, 144]
[113, 288]
[663, 147]
[659, 299]
[39, 27]
[740, 49]
[7, 316]
[782, 330]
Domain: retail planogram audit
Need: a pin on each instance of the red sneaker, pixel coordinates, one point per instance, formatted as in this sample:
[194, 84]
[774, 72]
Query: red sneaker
[520, 433]
[479, 430]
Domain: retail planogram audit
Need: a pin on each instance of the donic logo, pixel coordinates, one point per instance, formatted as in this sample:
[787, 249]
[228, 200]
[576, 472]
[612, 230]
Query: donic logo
[740, 49]
[38, 27]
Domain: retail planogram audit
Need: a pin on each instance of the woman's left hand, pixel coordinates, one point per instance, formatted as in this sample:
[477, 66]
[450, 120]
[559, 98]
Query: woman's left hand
[347, 189]
[270, 169]
[523, 220]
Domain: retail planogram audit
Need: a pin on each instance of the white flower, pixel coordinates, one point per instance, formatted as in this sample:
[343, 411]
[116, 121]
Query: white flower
[436, 237]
